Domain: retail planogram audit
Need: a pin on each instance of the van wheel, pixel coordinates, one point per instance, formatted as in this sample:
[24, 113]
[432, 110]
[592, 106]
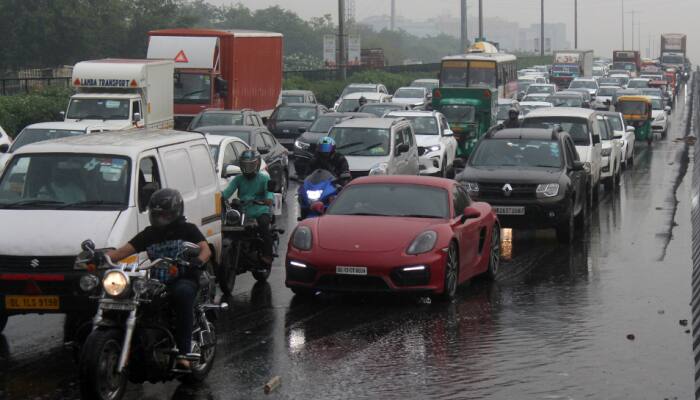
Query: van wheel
[3, 322]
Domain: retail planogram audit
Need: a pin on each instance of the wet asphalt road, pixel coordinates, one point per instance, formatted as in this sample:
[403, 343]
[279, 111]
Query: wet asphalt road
[554, 325]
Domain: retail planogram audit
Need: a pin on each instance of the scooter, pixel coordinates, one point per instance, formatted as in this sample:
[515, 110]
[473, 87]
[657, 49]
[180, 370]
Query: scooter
[316, 193]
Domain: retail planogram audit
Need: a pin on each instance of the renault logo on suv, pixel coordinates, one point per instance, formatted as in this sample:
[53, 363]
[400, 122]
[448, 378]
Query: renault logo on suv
[507, 189]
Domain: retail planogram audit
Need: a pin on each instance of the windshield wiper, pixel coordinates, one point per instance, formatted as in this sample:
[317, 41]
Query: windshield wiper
[91, 116]
[365, 149]
[91, 203]
[26, 203]
[345, 146]
[418, 216]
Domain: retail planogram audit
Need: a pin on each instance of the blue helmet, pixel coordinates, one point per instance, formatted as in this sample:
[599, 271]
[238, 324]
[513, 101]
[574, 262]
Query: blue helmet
[326, 145]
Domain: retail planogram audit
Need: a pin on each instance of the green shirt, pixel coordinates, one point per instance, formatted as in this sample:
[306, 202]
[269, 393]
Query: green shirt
[249, 190]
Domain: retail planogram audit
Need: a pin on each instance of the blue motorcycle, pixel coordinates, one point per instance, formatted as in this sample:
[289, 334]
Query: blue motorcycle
[316, 193]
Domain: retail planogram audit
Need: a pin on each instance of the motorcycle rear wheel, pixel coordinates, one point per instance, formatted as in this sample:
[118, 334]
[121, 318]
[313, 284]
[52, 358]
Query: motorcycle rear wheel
[99, 360]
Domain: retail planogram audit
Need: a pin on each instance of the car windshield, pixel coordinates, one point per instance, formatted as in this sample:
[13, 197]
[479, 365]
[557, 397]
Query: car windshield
[214, 151]
[609, 81]
[213, 118]
[567, 69]
[392, 200]
[577, 127]
[350, 105]
[565, 101]
[517, 153]
[616, 123]
[672, 59]
[104, 109]
[535, 89]
[638, 84]
[502, 113]
[192, 88]
[30, 135]
[458, 113]
[631, 107]
[243, 135]
[626, 66]
[409, 93]
[291, 113]
[583, 84]
[523, 86]
[62, 181]
[623, 80]
[483, 75]
[424, 125]
[352, 141]
[430, 85]
[656, 104]
[526, 108]
[323, 124]
[606, 91]
[379, 109]
[292, 98]
[654, 92]
[357, 89]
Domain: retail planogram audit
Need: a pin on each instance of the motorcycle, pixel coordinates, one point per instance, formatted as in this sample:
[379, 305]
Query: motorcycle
[243, 246]
[318, 190]
[133, 330]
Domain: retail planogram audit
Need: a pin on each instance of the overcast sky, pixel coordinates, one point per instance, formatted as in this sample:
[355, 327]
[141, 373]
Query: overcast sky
[599, 20]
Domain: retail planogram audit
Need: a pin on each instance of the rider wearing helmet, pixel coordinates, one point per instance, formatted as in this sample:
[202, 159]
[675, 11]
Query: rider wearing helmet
[164, 238]
[327, 158]
[513, 120]
[361, 102]
[253, 192]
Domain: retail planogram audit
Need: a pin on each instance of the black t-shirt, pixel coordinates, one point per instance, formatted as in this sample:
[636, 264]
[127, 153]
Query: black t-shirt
[337, 164]
[159, 243]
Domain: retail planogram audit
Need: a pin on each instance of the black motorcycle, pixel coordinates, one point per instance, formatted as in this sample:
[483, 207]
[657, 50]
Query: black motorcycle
[243, 246]
[133, 331]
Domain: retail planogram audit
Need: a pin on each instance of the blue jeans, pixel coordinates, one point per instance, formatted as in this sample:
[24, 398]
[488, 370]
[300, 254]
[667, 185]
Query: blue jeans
[183, 295]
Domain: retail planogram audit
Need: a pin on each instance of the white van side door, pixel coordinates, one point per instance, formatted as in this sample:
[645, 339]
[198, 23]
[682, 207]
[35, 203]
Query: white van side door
[178, 172]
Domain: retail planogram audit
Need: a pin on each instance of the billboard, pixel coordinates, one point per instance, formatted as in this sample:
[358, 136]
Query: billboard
[329, 51]
[354, 50]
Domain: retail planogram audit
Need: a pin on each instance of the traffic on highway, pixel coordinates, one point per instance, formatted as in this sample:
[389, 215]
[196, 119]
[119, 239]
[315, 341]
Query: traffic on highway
[190, 230]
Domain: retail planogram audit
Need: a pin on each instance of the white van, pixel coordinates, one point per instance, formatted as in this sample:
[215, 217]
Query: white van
[57, 193]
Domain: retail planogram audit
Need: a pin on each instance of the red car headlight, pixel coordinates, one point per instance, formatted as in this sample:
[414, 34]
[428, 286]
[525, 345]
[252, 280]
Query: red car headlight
[302, 238]
[423, 243]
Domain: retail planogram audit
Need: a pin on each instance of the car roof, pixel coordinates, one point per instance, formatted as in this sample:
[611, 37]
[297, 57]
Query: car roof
[302, 105]
[230, 128]
[567, 93]
[429, 181]
[297, 91]
[412, 114]
[536, 103]
[382, 123]
[426, 80]
[575, 112]
[128, 142]
[521, 133]
[611, 113]
[609, 87]
[366, 95]
[542, 84]
[369, 85]
[221, 111]
[585, 79]
[506, 101]
[79, 126]
[347, 115]
[217, 139]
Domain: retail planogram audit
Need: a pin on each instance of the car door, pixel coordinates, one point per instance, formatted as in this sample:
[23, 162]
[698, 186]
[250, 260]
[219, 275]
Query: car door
[616, 153]
[448, 140]
[466, 231]
[413, 161]
[397, 166]
[578, 178]
[596, 149]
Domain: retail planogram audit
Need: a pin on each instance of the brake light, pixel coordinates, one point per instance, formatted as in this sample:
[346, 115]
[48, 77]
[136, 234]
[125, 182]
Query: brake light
[437, 94]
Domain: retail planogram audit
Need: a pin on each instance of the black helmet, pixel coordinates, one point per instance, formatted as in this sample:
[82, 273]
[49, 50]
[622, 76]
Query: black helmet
[250, 163]
[362, 101]
[165, 207]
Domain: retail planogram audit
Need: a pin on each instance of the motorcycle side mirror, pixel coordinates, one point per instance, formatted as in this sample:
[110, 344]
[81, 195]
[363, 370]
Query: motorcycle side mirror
[190, 250]
[318, 207]
[630, 129]
[88, 245]
[578, 166]
[4, 148]
[231, 170]
[459, 163]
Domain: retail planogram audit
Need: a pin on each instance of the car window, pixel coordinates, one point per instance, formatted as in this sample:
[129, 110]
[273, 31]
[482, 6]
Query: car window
[258, 141]
[571, 153]
[202, 166]
[269, 140]
[460, 201]
[239, 147]
[230, 156]
[576, 127]
[398, 140]
[180, 177]
[148, 175]
[603, 127]
[408, 136]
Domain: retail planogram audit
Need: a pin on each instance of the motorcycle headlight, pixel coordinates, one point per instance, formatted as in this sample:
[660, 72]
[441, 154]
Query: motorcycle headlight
[314, 195]
[472, 187]
[423, 243]
[115, 283]
[606, 152]
[548, 189]
[379, 169]
[88, 283]
[302, 238]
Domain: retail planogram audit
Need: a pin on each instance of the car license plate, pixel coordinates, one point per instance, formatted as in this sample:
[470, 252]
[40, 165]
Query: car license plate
[31, 302]
[510, 210]
[285, 141]
[351, 270]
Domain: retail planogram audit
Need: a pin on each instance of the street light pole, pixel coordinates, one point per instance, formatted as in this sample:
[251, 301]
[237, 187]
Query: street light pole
[463, 27]
[575, 24]
[342, 57]
[542, 29]
[623, 23]
[481, 20]
[393, 15]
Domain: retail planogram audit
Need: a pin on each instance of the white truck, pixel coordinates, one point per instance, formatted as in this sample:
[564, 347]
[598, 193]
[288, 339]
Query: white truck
[569, 65]
[123, 94]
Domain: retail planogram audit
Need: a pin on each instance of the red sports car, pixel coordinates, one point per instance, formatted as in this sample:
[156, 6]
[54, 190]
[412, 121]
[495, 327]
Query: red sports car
[395, 233]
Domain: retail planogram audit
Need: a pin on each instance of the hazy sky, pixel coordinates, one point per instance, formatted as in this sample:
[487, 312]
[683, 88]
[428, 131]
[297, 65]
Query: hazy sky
[599, 20]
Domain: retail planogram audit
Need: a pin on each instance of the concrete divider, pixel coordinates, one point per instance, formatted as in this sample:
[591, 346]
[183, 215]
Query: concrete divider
[691, 134]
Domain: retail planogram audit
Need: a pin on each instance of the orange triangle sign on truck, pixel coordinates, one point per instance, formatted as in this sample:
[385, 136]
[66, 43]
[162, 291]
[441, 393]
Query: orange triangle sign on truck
[181, 57]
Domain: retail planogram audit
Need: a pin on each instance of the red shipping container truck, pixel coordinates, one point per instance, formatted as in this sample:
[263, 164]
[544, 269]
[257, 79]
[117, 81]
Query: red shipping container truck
[222, 69]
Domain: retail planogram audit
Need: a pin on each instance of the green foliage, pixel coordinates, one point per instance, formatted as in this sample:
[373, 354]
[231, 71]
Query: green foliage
[18, 111]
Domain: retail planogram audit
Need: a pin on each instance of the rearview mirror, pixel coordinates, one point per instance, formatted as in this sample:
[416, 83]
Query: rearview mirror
[88, 245]
[630, 129]
[459, 163]
[617, 135]
[578, 166]
[470, 213]
[4, 148]
[402, 148]
[263, 150]
[62, 114]
[231, 170]
[596, 139]
[667, 109]
[448, 132]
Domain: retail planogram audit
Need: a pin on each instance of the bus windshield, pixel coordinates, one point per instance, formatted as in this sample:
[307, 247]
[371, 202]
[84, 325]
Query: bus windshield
[482, 73]
[453, 74]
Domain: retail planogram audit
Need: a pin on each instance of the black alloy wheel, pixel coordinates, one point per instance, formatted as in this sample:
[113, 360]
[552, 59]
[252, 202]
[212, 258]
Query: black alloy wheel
[494, 252]
[451, 279]
[227, 271]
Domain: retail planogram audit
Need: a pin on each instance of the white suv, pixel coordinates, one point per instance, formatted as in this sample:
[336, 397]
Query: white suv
[589, 84]
[611, 154]
[437, 146]
[582, 125]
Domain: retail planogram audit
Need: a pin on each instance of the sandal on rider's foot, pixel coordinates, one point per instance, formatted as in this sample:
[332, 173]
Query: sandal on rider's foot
[183, 365]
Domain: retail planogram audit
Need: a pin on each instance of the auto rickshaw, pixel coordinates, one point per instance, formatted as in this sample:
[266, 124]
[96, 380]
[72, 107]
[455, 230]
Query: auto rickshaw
[636, 110]
[470, 113]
